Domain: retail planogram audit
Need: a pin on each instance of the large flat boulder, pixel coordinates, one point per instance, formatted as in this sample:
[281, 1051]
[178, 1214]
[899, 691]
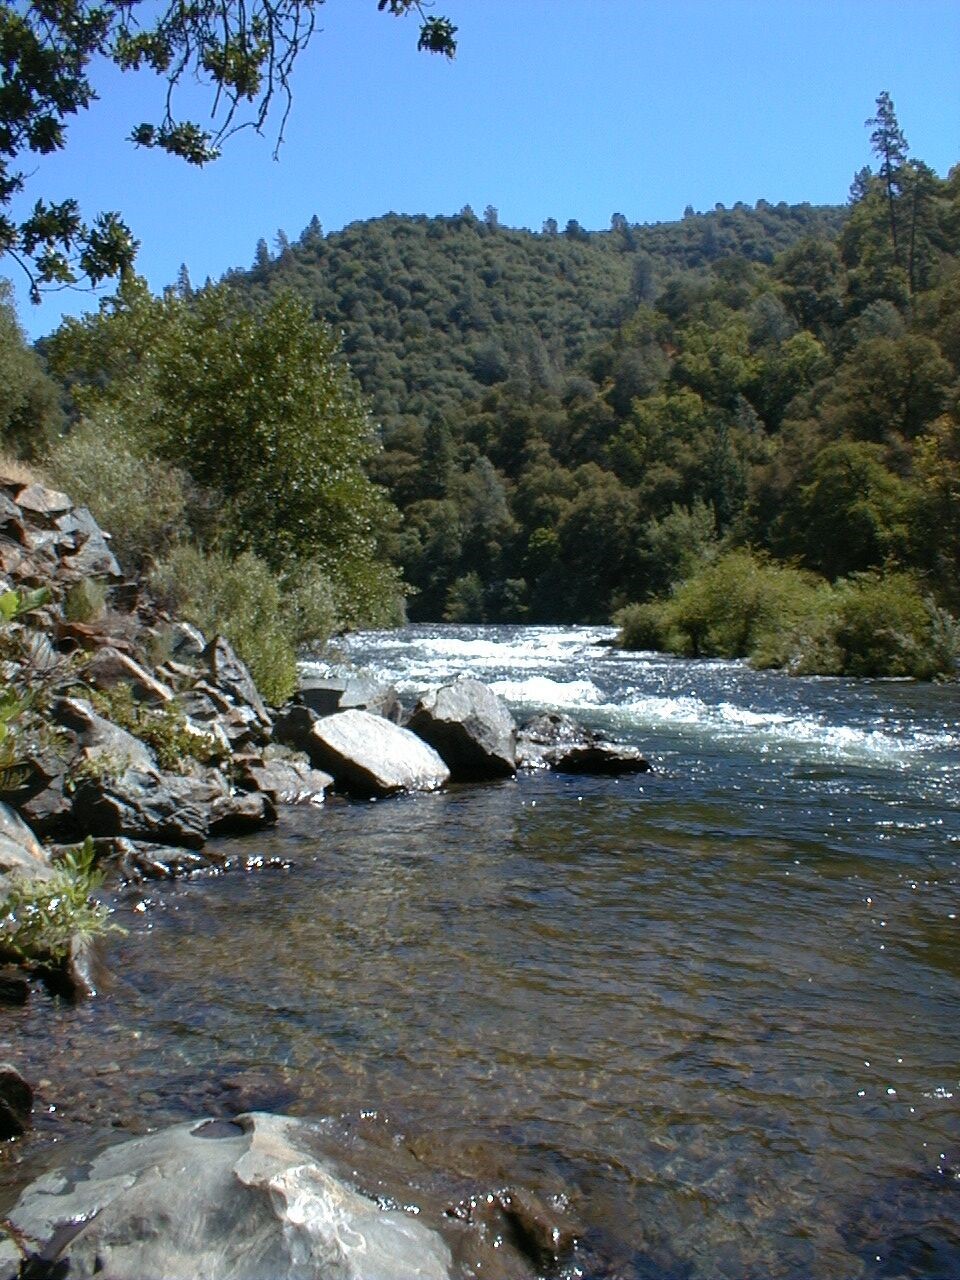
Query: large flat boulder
[225, 1200]
[470, 728]
[365, 754]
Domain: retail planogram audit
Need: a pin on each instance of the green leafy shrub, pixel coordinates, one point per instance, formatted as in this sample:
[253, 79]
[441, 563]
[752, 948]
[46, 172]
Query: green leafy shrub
[139, 500]
[641, 626]
[734, 605]
[884, 626]
[40, 918]
[163, 728]
[240, 599]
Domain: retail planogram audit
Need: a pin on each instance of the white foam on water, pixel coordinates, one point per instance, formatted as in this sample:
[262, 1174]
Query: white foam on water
[806, 734]
[554, 694]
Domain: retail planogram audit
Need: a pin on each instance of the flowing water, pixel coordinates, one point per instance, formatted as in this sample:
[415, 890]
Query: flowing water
[715, 1006]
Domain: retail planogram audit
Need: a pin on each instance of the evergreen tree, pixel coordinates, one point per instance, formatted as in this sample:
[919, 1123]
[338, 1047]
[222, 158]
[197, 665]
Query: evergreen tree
[890, 147]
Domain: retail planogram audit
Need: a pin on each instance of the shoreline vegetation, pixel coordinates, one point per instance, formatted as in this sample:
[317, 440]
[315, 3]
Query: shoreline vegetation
[743, 605]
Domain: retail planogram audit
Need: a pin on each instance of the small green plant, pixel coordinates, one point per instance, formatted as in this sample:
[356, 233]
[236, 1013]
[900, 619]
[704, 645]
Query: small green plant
[13, 604]
[85, 601]
[242, 599]
[164, 729]
[39, 919]
[100, 765]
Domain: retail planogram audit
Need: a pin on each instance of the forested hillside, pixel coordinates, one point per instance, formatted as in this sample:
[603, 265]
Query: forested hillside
[750, 413]
[435, 310]
[572, 421]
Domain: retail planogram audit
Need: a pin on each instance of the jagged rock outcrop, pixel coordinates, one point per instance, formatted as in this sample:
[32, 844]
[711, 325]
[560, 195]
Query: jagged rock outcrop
[43, 536]
[470, 728]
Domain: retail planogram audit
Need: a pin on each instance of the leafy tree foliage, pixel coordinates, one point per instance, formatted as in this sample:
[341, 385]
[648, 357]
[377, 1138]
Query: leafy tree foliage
[255, 405]
[30, 412]
[243, 53]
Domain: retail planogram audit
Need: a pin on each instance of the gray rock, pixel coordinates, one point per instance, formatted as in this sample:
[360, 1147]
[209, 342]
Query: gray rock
[50, 811]
[556, 741]
[187, 642]
[167, 809]
[210, 710]
[101, 735]
[225, 1200]
[359, 692]
[285, 781]
[37, 500]
[91, 557]
[293, 727]
[16, 1102]
[470, 727]
[21, 853]
[232, 678]
[109, 667]
[365, 754]
[139, 805]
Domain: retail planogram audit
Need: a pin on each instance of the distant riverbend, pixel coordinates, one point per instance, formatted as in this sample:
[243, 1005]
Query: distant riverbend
[713, 1008]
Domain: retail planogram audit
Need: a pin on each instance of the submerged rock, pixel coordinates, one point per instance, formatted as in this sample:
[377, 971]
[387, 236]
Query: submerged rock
[225, 1200]
[470, 728]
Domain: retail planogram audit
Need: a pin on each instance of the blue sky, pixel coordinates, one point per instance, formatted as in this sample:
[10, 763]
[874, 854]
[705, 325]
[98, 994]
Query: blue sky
[552, 108]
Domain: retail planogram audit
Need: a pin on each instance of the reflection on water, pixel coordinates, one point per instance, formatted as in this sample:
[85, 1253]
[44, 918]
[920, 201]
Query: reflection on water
[716, 1006]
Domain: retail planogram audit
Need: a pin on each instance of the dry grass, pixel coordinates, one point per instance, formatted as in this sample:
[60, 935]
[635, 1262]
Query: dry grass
[19, 472]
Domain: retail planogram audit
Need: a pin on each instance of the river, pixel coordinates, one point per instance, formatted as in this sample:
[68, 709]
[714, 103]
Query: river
[714, 1007]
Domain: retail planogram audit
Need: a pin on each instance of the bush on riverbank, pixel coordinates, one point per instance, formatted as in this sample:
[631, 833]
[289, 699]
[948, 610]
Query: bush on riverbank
[242, 599]
[41, 919]
[745, 606]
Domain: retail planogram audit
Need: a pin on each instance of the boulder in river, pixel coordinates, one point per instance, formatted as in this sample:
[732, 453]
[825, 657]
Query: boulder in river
[225, 1200]
[556, 741]
[470, 728]
[285, 781]
[366, 754]
[359, 692]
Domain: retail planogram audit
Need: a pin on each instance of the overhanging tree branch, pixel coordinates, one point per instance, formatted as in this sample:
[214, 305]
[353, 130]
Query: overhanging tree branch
[242, 51]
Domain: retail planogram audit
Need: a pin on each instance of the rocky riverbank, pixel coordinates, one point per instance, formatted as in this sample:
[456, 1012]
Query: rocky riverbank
[129, 731]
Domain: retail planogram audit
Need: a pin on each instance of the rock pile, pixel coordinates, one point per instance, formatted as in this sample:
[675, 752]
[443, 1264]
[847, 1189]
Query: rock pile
[140, 732]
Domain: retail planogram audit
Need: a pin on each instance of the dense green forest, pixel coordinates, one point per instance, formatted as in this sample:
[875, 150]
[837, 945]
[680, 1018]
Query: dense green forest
[756, 407]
